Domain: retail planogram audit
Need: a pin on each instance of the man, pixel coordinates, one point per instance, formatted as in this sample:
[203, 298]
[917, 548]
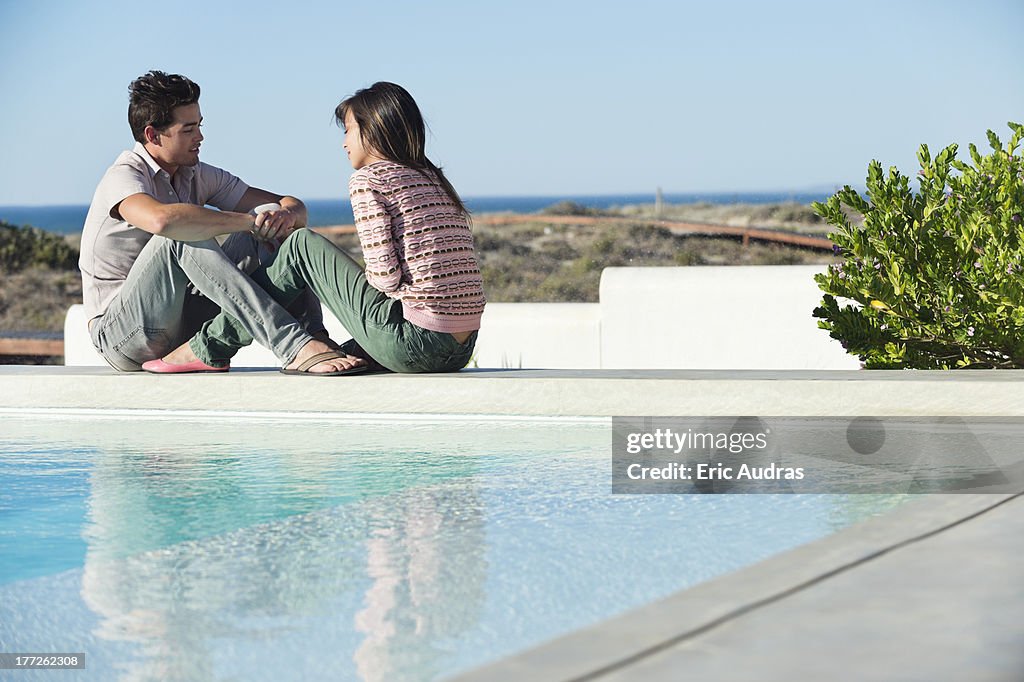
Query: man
[149, 245]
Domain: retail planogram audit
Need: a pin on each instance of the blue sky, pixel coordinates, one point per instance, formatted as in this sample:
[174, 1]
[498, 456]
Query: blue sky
[523, 98]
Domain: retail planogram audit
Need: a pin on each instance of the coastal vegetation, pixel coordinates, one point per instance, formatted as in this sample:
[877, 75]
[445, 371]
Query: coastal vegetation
[788, 215]
[534, 261]
[27, 246]
[39, 271]
[935, 278]
[555, 255]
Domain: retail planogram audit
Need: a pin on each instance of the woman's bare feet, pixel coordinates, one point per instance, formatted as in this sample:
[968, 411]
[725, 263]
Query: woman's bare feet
[183, 355]
[331, 365]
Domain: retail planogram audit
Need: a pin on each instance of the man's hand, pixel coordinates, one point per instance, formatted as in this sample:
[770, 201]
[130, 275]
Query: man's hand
[276, 224]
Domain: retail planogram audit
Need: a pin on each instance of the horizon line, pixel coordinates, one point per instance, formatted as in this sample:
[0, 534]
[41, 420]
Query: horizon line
[652, 194]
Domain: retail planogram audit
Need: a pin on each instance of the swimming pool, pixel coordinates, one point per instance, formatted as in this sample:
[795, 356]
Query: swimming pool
[226, 547]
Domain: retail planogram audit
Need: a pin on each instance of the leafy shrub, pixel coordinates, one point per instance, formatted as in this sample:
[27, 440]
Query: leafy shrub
[933, 278]
[23, 247]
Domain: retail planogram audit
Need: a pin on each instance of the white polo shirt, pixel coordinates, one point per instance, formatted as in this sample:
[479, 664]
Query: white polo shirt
[110, 244]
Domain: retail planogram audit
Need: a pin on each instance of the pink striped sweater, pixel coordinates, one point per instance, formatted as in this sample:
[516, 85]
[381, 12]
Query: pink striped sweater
[417, 246]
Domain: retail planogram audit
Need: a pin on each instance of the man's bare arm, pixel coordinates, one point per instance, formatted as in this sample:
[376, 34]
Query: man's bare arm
[183, 222]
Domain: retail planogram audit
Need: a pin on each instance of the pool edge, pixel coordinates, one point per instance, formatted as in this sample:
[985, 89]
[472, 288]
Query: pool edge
[615, 648]
[553, 393]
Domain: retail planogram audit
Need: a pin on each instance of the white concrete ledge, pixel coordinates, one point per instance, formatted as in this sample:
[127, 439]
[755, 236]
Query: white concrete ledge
[596, 393]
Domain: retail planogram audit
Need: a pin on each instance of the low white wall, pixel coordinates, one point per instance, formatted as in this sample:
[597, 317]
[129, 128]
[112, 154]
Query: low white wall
[78, 349]
[715, 317]
[539, 335]
[706, 317]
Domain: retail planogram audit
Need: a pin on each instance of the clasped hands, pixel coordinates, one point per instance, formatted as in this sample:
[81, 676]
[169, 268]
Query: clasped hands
[272, 224]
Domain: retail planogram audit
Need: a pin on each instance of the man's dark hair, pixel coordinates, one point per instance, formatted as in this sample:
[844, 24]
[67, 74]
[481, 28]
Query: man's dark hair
[153, 98]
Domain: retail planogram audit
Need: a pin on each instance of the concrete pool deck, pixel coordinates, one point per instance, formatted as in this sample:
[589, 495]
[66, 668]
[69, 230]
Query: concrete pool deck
[551, 393]
[931, 591]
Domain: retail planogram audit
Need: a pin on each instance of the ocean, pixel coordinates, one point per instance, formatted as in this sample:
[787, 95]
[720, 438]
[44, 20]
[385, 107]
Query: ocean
[69, 219]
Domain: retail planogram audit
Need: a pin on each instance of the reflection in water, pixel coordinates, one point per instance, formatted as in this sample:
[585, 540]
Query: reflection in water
[428, 571]
[174, 567]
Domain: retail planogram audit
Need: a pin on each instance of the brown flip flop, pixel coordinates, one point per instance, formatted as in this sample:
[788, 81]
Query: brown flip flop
[303, 369]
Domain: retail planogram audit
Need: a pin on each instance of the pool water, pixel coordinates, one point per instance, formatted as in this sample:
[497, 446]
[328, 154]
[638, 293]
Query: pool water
[274, 549]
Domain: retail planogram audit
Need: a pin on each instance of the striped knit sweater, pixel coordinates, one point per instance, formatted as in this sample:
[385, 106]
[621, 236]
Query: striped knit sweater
[417, 246]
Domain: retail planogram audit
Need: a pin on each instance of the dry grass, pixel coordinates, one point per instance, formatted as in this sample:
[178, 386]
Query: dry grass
[531, 261]
[36, 299]
[536, 260]
[788, 216]
[528, 260]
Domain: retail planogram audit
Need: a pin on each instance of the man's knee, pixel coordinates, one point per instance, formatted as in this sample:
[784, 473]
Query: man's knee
[174, 251]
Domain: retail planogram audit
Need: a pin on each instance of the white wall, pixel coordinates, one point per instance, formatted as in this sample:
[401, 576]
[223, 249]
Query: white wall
[539, 335]
[715, 317]
[704, 317]
[78, 350]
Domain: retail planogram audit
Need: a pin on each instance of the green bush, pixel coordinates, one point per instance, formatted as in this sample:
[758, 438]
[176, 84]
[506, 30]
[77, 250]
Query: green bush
[933, 279]
[24, 247]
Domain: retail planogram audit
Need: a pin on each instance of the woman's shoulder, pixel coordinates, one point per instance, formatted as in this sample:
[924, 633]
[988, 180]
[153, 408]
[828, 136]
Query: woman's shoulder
[384, 169]
[372, 175]
[381, 174]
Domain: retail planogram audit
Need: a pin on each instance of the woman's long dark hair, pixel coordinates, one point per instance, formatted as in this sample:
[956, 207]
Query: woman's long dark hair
[391, 126]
